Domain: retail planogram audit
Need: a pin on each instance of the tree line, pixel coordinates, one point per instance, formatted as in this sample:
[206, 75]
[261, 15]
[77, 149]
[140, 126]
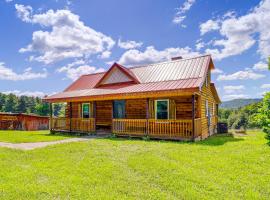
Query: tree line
[255, 115]
[29, 105]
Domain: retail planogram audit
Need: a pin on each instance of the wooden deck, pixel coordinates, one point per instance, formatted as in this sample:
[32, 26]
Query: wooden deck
[162, 129]
[167, 129]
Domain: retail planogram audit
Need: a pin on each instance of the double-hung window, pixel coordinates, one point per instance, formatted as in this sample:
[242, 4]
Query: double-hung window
[162, 109]
[86, 110]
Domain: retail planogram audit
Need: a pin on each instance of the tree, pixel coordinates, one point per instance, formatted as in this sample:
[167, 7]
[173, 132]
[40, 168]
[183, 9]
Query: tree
[269, 63]
[264, 115]
[42, 109]
[21, 107]
[10, 103]
[2, 102]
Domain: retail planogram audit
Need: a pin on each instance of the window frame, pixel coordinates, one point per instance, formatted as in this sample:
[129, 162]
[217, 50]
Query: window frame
[168, 108]
[89, 112]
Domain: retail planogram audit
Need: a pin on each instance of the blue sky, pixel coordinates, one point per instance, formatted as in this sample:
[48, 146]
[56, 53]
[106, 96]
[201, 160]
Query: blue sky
[45, 45]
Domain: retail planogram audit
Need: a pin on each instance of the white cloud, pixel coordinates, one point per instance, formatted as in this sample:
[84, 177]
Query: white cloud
[151, 55]
[105, 54]
[179, 17]
[229, 89]
[8, 74]
[74, 70]
[68, 38]
[260, 66]
[24, 12]
[25, 93]
[240, 75]
[241, 33]
[265, 86]
[217, 71]
[129, 44]
[234, 96]
[209, 25]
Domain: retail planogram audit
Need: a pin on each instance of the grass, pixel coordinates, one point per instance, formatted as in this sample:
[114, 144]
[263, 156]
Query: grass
[30, 136]
[221, 167]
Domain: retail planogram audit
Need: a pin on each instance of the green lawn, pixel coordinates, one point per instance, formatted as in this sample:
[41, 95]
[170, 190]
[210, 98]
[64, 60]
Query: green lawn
[222, 167]
[29, 136]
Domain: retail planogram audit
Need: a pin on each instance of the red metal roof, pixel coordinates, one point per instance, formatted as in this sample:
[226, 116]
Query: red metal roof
[172, 75]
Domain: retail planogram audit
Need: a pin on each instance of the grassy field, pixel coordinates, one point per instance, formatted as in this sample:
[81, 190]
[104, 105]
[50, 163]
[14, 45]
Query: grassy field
[29, 136]
[221, 167]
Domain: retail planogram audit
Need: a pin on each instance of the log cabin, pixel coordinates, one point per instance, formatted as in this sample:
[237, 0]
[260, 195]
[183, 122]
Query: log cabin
[168, 100]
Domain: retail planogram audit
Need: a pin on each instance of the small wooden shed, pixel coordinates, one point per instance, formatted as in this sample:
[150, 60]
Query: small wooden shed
[21, 121]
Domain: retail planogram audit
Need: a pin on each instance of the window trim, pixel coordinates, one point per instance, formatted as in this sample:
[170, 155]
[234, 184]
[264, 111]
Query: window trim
[89, 112]
[168, 108]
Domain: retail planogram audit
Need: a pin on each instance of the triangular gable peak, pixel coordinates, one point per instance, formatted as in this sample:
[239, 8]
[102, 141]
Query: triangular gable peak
[117, 74]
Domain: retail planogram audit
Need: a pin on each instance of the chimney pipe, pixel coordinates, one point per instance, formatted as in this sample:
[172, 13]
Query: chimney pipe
[176, 58]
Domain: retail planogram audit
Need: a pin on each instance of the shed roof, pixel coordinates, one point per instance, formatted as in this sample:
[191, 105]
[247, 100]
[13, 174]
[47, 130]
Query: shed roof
[181, 74]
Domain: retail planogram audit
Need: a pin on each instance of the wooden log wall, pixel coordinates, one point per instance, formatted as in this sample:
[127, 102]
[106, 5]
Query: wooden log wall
[206, 94]
[104, 112]
[136, 108]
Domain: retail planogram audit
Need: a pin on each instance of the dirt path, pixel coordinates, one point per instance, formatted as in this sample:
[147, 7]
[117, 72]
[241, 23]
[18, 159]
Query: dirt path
[35, 145]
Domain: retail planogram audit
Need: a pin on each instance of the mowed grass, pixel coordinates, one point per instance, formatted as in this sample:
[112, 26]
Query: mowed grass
[30, 136]
[221, 167]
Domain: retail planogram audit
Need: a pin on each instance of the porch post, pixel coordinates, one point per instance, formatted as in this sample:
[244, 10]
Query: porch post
[147, 115]
[51, 118]
[70, 116]
[193, 117]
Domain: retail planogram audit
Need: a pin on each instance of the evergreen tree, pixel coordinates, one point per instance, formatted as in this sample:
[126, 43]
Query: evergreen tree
[21, 107]
[10, 103]
[2, 102]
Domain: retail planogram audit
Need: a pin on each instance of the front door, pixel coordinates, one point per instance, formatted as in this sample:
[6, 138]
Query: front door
[119, 109]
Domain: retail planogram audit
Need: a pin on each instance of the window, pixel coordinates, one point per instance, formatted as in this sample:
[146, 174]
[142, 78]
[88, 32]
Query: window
[206, 108]
[86, 110]
[162, 109]
[119, 109]
[213, 109]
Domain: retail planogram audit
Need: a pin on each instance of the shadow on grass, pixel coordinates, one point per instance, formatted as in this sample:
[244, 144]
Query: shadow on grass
[219, 139]
[215, 140]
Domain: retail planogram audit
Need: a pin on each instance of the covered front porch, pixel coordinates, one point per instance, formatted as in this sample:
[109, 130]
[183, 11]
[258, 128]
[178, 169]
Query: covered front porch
[177, 117]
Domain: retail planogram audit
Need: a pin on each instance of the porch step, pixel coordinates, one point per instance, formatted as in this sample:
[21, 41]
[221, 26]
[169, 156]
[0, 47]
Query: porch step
[103, 132]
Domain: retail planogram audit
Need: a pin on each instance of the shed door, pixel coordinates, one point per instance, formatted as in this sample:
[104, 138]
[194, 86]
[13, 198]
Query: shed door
[119, 109]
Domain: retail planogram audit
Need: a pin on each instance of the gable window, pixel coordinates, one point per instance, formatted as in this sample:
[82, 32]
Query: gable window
[206, 80]
[86, 110]
[162, 109]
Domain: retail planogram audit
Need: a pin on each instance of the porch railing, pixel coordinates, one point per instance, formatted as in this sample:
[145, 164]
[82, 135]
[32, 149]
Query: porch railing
[73, 124]
[157, 128]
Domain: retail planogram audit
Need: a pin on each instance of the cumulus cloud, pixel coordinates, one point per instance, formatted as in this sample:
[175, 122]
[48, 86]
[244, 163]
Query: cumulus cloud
[67, 37]
[217, 71]
[209, 25]
[24, 12]
[260, 66]
[25, 93]
[240, 75]
[151, 55]
[180, 16]
[241, 33]
[265, 86]
[129, 44]
[75, 69]
[7, 73]
[235, 96]
[229, 89]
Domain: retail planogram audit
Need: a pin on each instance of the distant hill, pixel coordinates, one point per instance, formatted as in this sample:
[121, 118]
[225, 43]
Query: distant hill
[237, 103]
